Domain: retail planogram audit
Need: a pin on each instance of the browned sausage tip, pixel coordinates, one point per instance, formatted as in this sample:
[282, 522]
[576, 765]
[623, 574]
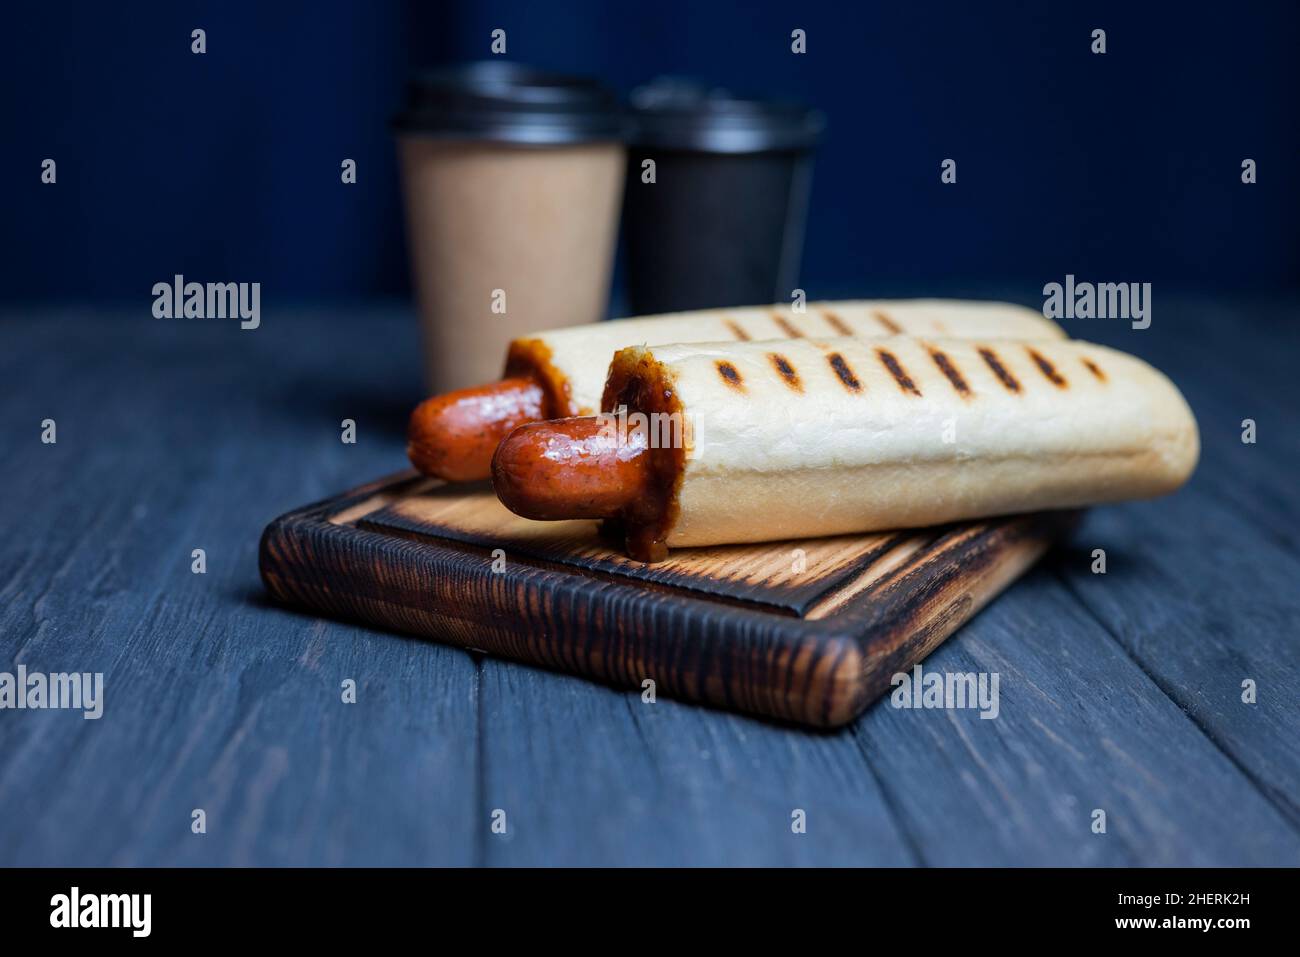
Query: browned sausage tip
[580, 467]
[453, 436]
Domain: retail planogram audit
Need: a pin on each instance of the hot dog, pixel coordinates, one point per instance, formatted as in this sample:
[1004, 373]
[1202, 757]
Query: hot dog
[794, 439]
[561, 372]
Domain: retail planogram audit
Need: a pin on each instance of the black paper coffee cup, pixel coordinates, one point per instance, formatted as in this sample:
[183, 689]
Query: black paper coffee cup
[719, 218]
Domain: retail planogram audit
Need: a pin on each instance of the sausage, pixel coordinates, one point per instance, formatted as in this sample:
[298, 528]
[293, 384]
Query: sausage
[453, 436]
[561, 372]
[578, 467]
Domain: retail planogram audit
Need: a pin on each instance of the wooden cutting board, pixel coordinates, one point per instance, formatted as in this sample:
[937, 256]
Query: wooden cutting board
[809, 631]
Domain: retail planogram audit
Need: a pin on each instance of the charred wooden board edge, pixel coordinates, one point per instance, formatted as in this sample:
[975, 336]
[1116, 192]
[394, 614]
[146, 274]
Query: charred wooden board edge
[693, 649]
[912, 613]
[821, 673]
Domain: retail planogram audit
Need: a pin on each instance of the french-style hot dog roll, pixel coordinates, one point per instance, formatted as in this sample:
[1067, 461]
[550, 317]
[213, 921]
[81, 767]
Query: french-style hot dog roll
[562, 372]
[794, 439]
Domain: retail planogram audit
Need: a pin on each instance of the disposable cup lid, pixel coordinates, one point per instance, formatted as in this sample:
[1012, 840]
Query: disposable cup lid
[679, 114]
[506, 102]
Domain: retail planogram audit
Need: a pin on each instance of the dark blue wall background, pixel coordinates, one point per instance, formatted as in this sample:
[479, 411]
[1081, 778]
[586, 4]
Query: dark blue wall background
[226, 166]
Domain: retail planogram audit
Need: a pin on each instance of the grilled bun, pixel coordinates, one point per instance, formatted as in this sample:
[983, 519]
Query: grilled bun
[806, 437]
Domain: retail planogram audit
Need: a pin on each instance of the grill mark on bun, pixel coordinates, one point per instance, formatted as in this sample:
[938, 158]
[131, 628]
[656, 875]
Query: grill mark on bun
[784, 324]
[835, 322]
[736, 331]
[1047, 369]
[1095, 370]
[949, 369]
[993, 362]
[730, 375]
[786, 370]
[890, 325]
[844, 372]
[898, 372]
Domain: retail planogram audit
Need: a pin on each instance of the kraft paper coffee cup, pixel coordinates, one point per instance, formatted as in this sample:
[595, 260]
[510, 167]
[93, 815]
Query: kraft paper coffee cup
[722, 223]
[512, 179]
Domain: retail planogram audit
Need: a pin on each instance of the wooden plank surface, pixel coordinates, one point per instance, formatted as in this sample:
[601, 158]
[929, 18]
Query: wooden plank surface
[1227, 610]
[180, 435]
[215, 698]
[590, 776]
[1080, 729]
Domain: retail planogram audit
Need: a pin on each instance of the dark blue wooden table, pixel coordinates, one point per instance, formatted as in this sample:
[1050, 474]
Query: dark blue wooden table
[1120, 692]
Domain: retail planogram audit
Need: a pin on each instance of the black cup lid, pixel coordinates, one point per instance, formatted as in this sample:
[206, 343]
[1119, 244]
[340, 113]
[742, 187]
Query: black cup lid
[507, 102]
[680, 114]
